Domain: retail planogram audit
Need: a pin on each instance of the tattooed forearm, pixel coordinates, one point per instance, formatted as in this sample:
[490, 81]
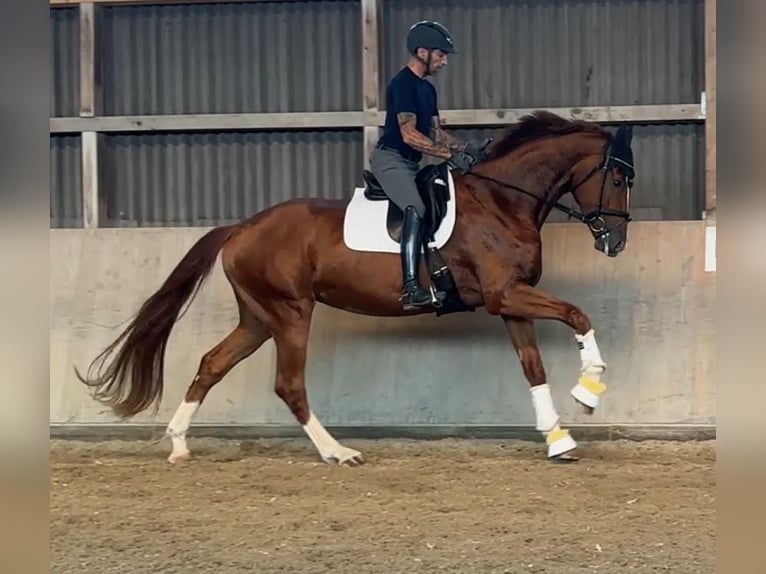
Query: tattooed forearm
[413, 138]
[443, 137]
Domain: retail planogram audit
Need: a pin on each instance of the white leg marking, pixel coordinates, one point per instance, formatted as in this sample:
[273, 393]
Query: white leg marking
[177, 428]
[329, 448]
[557, 439]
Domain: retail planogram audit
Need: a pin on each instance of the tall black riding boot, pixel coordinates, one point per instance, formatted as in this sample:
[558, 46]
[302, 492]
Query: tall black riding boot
[413, 294]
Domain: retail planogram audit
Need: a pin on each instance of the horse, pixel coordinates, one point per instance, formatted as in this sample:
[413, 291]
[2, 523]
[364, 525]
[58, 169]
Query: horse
[283, 260]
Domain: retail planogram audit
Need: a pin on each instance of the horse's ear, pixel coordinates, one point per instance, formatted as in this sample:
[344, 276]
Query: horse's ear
[623, 137]
[628, 137]
[619, 136]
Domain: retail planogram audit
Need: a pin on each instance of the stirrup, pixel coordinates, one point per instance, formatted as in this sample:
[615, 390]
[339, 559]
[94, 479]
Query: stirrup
[411, 296]
[437, 297]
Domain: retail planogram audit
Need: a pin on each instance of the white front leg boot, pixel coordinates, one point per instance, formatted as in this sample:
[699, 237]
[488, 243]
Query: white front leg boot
[589, 386]
[557, 439]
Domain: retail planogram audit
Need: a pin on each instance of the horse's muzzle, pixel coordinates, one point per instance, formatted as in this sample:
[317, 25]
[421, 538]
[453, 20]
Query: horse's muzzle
[607, 247]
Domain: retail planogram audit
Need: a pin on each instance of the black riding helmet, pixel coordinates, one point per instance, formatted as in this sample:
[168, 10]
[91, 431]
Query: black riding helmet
[430, 35]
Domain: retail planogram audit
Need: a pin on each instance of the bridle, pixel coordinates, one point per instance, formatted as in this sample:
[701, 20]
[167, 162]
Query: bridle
[593, 219]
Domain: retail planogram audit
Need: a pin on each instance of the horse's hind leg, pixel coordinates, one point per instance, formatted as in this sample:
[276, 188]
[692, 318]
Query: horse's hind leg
[522, 333]
[291, 338]
[242, 342]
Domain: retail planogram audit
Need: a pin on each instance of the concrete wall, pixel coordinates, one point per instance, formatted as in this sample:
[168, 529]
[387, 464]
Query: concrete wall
[652, 309]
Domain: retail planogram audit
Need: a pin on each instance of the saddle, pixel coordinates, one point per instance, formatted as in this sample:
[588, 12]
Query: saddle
[431, 182]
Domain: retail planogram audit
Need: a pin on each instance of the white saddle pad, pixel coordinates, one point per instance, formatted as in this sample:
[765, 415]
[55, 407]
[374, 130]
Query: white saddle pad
[364, 225]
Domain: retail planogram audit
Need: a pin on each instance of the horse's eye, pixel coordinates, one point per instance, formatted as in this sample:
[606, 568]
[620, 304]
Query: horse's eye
[617, 182]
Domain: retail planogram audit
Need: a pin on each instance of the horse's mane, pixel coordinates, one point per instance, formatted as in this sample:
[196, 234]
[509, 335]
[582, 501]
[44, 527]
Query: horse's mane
[538, 125]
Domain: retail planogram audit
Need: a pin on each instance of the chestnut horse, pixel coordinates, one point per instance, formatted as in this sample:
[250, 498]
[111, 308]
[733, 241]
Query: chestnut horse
[283, 260]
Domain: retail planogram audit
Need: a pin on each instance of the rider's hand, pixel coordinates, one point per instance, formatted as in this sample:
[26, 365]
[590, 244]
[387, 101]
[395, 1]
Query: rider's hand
[461, 161]
[477, 149]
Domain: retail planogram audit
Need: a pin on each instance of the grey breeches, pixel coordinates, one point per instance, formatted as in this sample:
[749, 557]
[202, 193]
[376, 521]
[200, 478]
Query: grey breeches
[397, 176]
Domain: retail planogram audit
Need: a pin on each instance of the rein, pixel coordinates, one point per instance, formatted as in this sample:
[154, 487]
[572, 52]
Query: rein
[594, 220]
[558, 205]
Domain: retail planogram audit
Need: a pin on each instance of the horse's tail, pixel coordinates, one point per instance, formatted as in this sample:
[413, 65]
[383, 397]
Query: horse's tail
[133, 380]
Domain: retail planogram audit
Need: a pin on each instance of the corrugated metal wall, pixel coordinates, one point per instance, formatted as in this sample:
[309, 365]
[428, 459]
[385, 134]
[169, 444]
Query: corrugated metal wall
[228, 58]
[218, 178]
[513, 53]
[546, 53]
[65, 173]
[65, 62]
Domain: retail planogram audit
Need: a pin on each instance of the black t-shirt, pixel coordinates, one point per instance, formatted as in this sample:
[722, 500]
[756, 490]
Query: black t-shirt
[407, 92]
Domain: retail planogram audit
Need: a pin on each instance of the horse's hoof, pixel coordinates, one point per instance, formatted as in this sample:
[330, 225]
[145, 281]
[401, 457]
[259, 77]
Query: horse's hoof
[353, 461]
[176, 457]
[587, 392]
[346, 457]
[561, 446]
[588, 410]
[564, 458]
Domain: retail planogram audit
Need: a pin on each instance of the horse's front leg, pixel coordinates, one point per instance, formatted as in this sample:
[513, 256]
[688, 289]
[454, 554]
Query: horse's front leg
[522, 300]
[522, 333]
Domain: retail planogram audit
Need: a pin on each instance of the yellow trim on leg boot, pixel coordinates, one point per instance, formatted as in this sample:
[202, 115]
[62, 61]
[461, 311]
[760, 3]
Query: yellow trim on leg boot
[556, 435]
[592, 385]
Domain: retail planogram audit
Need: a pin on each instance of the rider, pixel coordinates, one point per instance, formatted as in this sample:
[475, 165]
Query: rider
[412, 129]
